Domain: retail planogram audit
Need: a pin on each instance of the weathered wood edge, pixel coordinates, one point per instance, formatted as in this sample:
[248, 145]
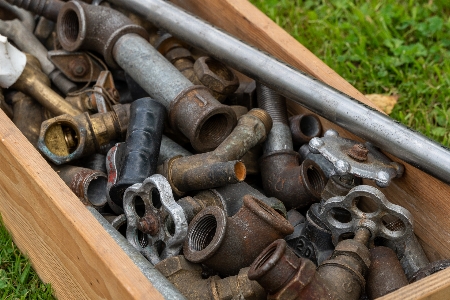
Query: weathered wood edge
[66, 245]
[427, 198]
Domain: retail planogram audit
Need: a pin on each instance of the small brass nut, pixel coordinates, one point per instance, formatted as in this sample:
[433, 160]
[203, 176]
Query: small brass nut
[215, 75]
[177, 54]
[356, 248]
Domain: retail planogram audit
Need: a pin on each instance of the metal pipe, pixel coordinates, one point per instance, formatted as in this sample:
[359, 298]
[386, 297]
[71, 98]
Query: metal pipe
[161, 284]
[27, 42]
[341, 109]
[25, 17]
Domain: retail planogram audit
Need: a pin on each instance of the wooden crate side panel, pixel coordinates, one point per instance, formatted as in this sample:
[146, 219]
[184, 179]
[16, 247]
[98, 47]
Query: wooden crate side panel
[66, 245]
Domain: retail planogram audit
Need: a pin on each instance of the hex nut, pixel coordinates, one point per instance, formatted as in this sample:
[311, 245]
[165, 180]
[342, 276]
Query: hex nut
[215, 75]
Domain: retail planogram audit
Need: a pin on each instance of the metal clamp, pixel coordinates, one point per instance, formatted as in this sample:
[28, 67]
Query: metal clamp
[160, 231]
[352, 157]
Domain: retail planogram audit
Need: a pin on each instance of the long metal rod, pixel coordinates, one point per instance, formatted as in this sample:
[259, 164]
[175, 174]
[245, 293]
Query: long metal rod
[320, 98]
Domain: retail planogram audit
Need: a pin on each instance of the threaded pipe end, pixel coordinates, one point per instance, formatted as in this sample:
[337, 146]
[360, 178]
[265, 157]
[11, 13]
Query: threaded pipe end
[263, 116]
[273, 103]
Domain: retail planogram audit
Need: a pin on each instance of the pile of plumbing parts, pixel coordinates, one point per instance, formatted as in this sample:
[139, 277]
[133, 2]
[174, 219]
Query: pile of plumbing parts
[196, 165]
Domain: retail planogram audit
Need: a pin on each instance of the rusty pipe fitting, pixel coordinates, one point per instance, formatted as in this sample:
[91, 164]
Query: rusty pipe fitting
[87, 184]
[139, 157]
[229, 198]
[217, 77]
[385, 273]
[5, 107]
[282, 175]
[49, 9]
[66, 138]
[28, 116]
[216, 168]
[304, 128]
[192, 109]
[36, 84]
[228, 244]
[285, 276]
[187, 278]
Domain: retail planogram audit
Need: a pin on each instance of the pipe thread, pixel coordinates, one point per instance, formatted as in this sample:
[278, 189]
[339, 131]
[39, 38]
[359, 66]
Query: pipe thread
[273, 103]
[264, 116]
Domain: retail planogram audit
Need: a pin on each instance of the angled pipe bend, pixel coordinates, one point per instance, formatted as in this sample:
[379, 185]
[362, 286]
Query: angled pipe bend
[221, 166]
[297, 185]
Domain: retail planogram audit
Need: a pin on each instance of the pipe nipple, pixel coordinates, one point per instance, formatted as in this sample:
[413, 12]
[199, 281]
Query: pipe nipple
[263, 116]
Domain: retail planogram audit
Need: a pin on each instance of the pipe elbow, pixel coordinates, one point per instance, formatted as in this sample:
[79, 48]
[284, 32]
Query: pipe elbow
[96, 28]
[296, 185]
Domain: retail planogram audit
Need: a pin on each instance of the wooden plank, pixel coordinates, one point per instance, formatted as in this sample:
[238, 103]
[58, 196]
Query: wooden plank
[66, 245]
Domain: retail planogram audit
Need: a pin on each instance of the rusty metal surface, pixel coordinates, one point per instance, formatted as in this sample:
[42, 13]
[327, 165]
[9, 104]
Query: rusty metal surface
[228, 244]
[87, 184]
[46, 8]
[28, 116]
[304, 128]
[385, 273]
[159, 233]
[197, 172]
[36, 84]
[187, 278]
[297, 185]
[77, 66]
[66, 138]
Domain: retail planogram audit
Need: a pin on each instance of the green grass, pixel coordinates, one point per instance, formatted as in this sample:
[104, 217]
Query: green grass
[17, 278]
[385, 47]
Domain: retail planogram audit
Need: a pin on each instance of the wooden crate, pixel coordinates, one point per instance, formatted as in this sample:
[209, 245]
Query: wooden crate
[70, 250]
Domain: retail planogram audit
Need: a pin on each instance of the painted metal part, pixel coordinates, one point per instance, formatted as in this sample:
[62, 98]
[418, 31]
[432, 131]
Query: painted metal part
[156, 238]
[368, 162]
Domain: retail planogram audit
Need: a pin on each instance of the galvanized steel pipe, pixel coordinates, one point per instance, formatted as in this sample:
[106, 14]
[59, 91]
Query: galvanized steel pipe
[320, 98]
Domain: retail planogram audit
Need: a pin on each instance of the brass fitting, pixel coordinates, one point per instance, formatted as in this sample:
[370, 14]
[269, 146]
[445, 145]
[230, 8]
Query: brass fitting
[65, 138]
[285, 276]
[87, 184]
[28, 116]
[228, 244]
[218, 167]
[36, 84]
[187, 278]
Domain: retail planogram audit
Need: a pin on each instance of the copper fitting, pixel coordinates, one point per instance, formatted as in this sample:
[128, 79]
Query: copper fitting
[221, 166]
[28, 116]
[385, 273]
[87, 184]
[187, 278]
[304, 128]
[36, 84]
[66, 138]
[285, 276]
[228, 244]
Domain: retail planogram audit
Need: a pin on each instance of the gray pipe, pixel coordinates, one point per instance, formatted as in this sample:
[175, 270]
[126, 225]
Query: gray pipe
[26, 17]
[25, 40]
[160, 283]
[320, 98]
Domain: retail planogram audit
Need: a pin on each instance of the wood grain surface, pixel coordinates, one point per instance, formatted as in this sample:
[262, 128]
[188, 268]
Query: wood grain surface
[66, 245]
